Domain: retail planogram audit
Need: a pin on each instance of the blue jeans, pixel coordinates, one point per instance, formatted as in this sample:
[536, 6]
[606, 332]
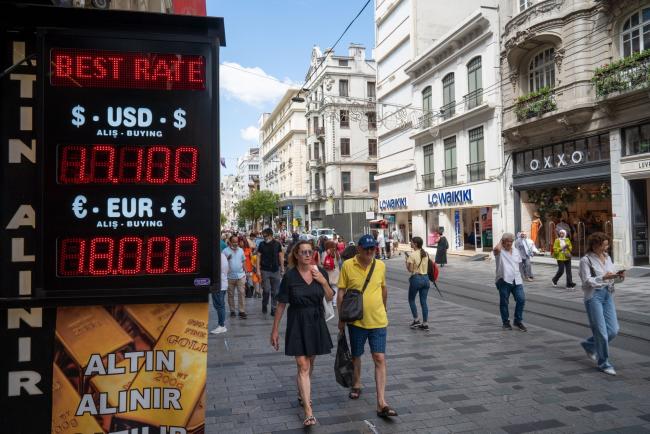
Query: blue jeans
[604, 325]
[419, 283]
[219, 302]
[517, 291]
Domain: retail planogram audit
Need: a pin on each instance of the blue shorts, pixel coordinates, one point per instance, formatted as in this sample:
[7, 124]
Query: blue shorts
[358, 336]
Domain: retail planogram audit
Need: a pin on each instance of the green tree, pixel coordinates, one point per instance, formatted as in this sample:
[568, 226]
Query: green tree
[223, 220]
[258, 204]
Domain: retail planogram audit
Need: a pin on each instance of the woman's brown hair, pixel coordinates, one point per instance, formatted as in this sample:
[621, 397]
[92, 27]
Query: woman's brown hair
[596, 239]
[293, 255]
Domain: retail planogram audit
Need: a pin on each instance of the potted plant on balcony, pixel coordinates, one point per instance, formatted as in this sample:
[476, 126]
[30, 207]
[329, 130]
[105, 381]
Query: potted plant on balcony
[627, 73]
[535, 104]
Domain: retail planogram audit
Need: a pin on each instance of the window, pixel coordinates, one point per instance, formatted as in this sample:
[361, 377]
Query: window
[371, 182]
[343, 62]
[372, 147]
[308, 126]
[636, 32]
[345, 181]
[316, 125]
[345, 147]
[449, 174]
[316, 156]
[476, 166]
[427, 174]
[371, 89]
[448, 96]
[636, 140]
[372, 120]
[344, 119]
[343, 88]
[474, 83]
[426, 107]
[541, 71]
[316, 182]
[525, 4]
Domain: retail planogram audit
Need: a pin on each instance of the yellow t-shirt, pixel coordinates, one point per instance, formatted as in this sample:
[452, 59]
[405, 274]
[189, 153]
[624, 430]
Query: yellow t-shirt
[353, 276]
[420, 265]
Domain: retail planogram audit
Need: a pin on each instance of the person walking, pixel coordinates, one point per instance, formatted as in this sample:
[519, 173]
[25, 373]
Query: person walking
[598, 279]
[395, 237]
[508, 281]
[441, 250]
[303, 288]
[331, 264]
[562, 253]
[271, 267]
[418, 264]
[236, 276]
[526, 250]
[373, 326]
[381, 241]
[218, 298]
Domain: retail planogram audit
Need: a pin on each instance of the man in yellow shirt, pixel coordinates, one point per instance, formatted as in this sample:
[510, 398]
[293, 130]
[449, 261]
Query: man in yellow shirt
[372, 327]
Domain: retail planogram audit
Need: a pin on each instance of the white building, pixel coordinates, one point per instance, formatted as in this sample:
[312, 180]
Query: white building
[405, 30]
[248, 173]
[228, 200]
[284, 159]
[342, 140]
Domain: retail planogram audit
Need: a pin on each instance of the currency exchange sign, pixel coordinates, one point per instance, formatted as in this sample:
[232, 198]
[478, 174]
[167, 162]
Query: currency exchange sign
[128, 165]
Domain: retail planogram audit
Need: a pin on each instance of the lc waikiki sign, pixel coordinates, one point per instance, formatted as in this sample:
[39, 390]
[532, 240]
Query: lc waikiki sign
[395, 203]
[449, 198]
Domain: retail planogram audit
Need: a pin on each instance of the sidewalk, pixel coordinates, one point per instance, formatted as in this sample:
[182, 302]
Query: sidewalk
[465, 375]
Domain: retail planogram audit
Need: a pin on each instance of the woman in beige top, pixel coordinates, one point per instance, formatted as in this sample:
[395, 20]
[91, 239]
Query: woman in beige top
[417, 264]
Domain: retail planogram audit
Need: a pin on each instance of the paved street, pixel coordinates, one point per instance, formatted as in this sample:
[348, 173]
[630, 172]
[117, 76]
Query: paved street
[465, 375]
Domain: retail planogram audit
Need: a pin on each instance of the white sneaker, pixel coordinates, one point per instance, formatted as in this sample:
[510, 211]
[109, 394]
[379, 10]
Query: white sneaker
[219, 330]
[592, 356]
[609, 371]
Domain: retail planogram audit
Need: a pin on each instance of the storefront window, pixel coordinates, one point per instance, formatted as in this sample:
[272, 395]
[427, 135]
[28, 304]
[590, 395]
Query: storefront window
[433, 223]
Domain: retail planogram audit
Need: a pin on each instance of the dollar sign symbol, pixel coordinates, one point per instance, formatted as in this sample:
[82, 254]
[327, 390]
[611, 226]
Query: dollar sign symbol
[79, 118]
[179, 115]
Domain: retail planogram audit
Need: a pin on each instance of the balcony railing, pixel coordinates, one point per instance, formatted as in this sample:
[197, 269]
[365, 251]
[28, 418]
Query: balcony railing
[629, 73]
[535, 104]
[448, 110]
[425, 121]
[450, 176]
[473, 99]
[476, 171]
[428, 181]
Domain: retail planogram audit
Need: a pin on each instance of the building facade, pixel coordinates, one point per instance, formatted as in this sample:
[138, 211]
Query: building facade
[405, 30]
[247, 178]
[228, 200]
[576, 121]
[342, 140]
[284, 159]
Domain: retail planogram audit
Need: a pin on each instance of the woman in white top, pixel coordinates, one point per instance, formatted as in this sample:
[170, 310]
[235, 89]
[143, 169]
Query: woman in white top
[598, 278]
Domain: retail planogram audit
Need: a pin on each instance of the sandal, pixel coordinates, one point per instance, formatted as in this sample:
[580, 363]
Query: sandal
[309, 421]
[355, 393]
[386, 412]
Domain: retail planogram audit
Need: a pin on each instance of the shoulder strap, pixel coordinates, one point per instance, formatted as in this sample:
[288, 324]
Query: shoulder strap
[592, 271]
[372, 268]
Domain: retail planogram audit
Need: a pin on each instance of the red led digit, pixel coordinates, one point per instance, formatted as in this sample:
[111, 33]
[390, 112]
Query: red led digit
[158, 159]
[129, 255]
[71, 256]
[157, 255]
[102, 162]
[186, 161]
[130, 165]
[73, 165]
[100, 262]
[185, 254]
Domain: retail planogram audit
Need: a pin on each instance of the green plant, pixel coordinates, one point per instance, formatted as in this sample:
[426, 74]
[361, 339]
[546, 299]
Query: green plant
[535, 104]
[627, 73]
[550, 202]
[258, 204]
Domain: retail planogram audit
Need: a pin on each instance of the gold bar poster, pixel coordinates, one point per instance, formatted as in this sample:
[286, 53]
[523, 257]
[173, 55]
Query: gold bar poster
[136, 369]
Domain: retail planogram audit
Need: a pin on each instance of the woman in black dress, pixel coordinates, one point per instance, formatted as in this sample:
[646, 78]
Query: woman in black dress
[441, 251]
[303, 288]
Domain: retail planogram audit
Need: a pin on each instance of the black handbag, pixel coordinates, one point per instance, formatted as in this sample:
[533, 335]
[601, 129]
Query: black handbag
[352, 305]
[343, 366]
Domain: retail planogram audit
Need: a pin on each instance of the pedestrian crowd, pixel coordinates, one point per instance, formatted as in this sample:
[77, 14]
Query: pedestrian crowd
[311, 278]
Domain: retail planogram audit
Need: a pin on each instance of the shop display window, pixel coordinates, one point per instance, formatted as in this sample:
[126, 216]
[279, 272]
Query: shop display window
[433, 224]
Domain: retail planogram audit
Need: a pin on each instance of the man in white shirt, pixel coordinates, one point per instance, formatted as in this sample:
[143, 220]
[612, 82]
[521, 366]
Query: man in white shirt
[381, 242]
[508, 281]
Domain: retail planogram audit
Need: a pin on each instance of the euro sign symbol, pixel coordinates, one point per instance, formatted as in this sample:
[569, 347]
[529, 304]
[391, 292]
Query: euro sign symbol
[179, 115]
[177, 206]
[78, 206]
[78, 118]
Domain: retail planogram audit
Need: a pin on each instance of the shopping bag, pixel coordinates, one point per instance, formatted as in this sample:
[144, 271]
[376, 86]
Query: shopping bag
[329, 309]
[343, 367]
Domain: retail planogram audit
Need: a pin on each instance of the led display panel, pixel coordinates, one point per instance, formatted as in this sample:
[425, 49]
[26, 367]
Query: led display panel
[129, 157]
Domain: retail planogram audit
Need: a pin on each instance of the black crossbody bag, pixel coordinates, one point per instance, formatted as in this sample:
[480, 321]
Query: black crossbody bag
[352, 305]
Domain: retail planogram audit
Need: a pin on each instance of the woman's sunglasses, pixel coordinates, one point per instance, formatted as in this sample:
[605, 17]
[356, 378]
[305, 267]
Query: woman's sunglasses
[306, 252]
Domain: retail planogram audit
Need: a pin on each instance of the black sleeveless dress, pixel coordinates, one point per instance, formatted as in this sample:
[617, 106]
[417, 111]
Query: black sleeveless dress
[307, 333]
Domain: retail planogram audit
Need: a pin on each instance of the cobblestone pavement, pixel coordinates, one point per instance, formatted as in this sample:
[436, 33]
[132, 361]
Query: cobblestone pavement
[464, 375]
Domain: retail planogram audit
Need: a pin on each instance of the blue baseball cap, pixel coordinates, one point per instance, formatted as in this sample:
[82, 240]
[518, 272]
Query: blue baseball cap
[367, 241]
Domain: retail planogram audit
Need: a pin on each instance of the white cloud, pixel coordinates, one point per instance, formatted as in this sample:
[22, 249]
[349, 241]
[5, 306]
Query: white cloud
[252, 85]
[250, 134]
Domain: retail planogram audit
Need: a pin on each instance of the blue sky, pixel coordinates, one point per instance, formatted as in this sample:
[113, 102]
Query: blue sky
[274, 38]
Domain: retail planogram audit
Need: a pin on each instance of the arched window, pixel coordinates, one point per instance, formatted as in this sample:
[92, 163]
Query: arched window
[541, 71]
[448, 96]
[474, 83]
[426, 106]
[636, 32]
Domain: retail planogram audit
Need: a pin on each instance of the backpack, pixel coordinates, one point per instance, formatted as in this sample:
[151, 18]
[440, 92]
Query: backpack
[328, 262]
[433, 271]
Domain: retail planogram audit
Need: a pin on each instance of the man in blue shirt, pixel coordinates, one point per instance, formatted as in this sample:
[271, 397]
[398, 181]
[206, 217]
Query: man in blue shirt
[236, 276]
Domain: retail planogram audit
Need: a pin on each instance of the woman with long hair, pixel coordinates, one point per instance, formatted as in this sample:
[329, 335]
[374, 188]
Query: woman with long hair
[418, 264]
[598, 278]
[303, 287]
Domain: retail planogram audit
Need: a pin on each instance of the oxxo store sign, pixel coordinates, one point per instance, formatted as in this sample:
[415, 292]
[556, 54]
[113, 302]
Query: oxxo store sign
[556, 161]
